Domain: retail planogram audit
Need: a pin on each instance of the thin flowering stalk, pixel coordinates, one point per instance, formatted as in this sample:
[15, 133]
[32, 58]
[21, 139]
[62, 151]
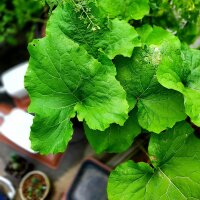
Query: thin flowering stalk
[81, 6]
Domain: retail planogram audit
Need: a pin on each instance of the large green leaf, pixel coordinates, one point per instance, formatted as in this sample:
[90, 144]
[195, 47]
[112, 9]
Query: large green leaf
[158, 37]
[116, 138]
[181, 71]
[158, 107]
[63, 80]
[125, 9]
[175, 171]
[94, 32]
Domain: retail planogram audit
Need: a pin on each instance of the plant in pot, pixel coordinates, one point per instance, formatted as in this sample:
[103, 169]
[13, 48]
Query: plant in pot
[18, 166]
[35, 186]
[109, 65]
[20, 22]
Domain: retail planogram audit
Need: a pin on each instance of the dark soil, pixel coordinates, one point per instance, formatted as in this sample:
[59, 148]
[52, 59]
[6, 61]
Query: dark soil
[18, 168]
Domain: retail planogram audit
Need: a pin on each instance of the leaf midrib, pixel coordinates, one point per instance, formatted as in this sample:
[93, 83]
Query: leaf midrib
[159, 169]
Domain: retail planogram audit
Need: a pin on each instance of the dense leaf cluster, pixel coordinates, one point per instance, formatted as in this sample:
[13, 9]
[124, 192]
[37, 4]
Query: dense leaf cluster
[180, 16]
[118, 79]
[15, 15]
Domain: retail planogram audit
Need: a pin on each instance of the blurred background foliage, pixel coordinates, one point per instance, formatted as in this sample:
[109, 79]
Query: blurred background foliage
[182, 17]
[19, 16]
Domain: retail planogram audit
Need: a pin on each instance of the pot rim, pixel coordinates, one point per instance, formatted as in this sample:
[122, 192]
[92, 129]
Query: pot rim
[27, 176]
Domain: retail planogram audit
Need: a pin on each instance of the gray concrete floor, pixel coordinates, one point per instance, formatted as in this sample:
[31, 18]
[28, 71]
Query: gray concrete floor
[62, 177]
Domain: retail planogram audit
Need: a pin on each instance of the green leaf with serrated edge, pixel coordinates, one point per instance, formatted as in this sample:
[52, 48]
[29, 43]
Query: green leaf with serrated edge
[175, 157]
[114, 139]
[125, 9]
[158, 107]
[111, 37]
[181, 71]
[63, 80]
